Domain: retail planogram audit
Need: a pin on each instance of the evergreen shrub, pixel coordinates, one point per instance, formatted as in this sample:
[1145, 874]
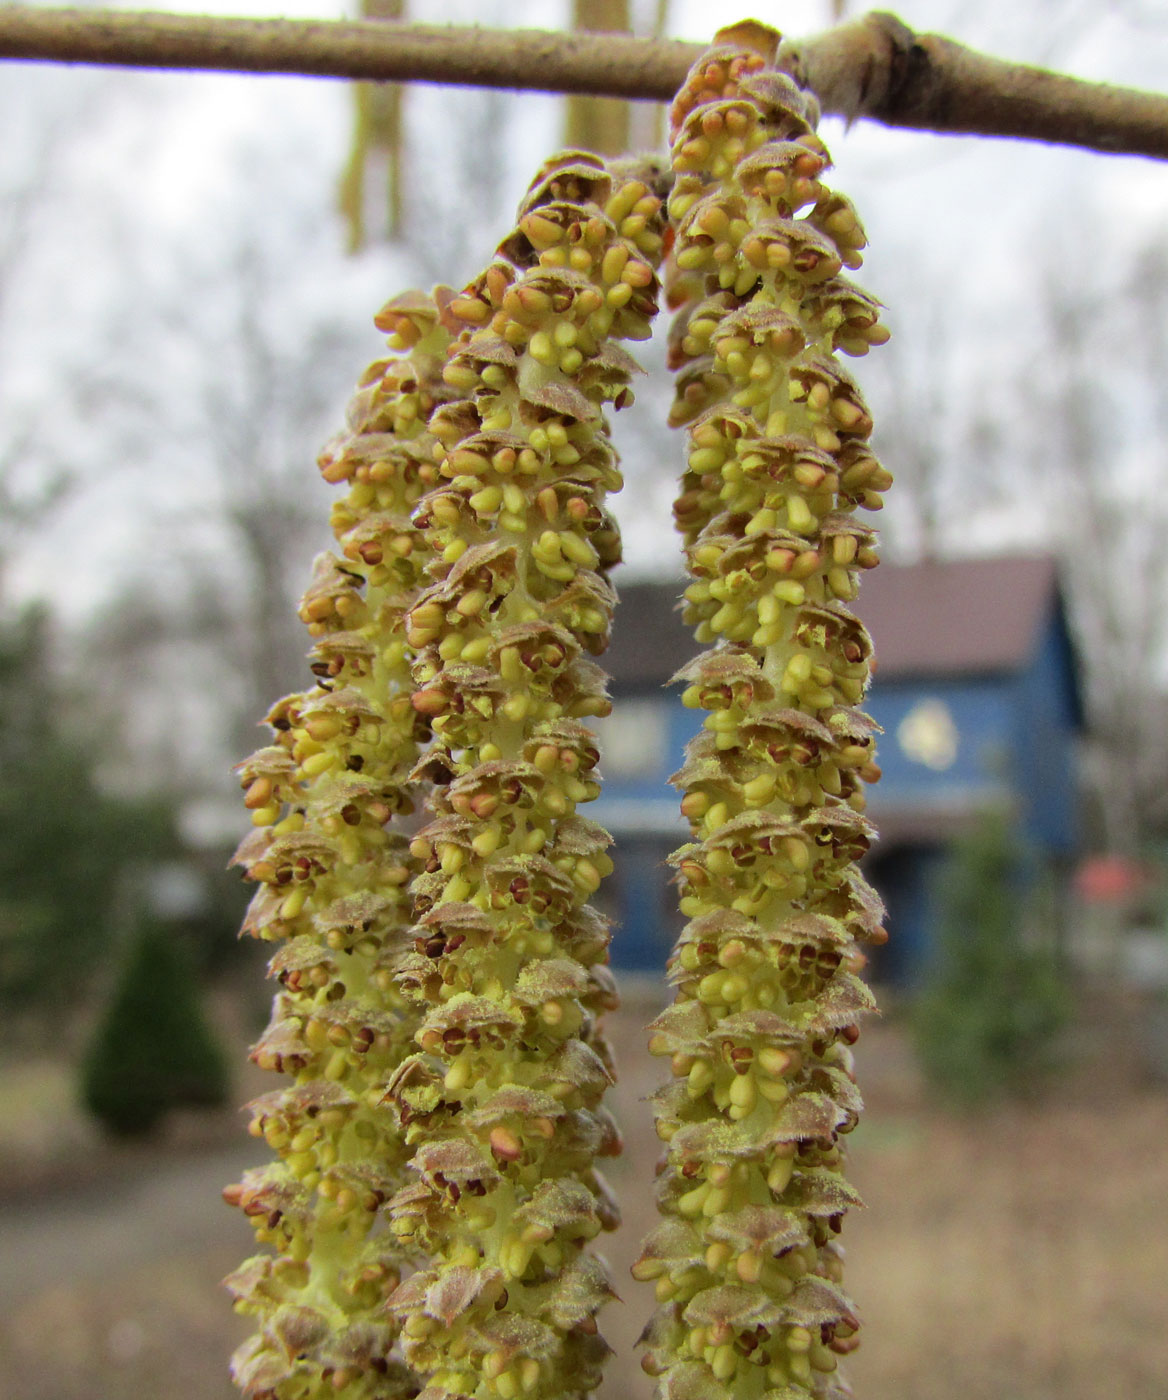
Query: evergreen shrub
[986, 1023]
[153, 1049]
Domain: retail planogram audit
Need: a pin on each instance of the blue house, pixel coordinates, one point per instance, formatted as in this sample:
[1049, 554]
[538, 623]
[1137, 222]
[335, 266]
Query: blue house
[977, 691]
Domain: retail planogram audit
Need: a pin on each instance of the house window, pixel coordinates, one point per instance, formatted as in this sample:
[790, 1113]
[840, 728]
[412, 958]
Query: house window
[634, 739]
[928, 735]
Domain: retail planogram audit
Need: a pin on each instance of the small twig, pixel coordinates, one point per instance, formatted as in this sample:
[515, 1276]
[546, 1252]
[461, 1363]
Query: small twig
[874, 67]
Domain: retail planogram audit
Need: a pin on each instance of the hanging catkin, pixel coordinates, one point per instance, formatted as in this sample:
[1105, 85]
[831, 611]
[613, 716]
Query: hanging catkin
[501, 1106]
[333, 889]
[376, 162]
[600, 124]
[745, 1263]
[440, 991]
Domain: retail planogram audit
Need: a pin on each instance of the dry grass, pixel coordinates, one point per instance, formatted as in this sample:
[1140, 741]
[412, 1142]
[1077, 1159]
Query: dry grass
[1020, 1256]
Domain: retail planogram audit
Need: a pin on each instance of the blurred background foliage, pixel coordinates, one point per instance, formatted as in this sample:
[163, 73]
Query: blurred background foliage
[987, 1019]
[152, 1049]
[70, 851]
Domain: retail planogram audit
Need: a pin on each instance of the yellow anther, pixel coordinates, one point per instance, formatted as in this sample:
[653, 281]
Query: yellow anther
[724, 1363]
[743, 1095]
[580, 551]
[734, 987]
[774, 1061]
[516, 707]
[692, 257]
[780, 1173]
[844, 548]
[294, 903]
[471, 603]
[799, 516]
[486, 501]
[458, 1076]
[319, 763]
[732, 953]
[487, 841]
[540, 347]
[699, 1079]
[690, 1205]
[842, 583]
[614, 262]
[760, 790]
[797, 853]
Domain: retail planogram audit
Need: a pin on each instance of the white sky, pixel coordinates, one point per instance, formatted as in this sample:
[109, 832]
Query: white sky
[961, 222]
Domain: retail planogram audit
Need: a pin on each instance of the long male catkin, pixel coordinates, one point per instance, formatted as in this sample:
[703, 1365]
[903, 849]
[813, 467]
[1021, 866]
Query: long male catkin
[333, 886]
[501, 1104]
[745, 1262]
[440, 988]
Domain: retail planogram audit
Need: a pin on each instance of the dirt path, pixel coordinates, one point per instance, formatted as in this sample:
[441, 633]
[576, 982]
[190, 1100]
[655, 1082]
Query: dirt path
[1019, 1256]
[77, 1240]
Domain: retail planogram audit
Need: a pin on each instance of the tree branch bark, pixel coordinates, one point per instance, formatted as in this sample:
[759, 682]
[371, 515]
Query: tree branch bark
[875, 68]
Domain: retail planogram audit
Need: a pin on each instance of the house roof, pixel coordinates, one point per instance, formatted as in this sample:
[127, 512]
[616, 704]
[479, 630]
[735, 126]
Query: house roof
[961, 617]
[966, 616]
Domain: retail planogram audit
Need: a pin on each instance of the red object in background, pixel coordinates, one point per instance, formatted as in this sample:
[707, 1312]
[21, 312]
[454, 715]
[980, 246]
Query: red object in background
[1110, 879]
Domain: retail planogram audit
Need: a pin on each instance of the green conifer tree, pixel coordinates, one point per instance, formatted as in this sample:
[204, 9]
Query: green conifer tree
[986, 1022]
[153, 1049]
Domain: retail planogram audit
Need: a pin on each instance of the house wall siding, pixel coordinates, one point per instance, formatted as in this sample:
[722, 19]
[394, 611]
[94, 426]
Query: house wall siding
[1046, 720]
[951, 746]
[978, 715]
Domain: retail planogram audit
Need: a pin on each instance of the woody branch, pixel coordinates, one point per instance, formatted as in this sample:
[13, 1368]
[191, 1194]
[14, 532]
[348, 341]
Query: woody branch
[874, 67]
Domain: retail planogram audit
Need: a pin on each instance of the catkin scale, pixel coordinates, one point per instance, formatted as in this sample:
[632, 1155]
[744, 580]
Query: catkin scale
[744, 1263]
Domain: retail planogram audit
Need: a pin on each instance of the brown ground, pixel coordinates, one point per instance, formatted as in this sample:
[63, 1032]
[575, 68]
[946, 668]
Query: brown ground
[1022, 1255]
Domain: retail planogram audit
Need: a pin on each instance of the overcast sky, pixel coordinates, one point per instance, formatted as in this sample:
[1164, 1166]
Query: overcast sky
[959, 228]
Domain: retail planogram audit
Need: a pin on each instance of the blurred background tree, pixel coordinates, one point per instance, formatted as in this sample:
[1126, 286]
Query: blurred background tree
[153, 1049]
[987, 1020]
[69, 850]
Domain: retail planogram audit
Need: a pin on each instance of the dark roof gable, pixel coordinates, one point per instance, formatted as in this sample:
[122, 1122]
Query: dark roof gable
[962, 617]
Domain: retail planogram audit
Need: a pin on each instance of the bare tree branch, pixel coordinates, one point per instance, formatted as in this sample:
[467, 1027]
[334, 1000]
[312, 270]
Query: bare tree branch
[874, 67]
[600, 64]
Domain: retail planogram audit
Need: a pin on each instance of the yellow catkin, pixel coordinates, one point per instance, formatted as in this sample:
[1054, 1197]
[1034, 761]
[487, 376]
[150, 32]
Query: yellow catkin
[500, 1105]
[332, 876]
[746, 1266]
